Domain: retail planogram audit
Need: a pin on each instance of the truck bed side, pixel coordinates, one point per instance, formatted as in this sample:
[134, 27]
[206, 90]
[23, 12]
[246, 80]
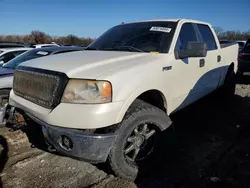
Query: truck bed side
[227, 44]
[230, 54]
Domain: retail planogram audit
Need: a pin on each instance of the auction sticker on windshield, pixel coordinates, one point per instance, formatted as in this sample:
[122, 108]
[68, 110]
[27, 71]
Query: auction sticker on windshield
[161, 29]
[42, 53]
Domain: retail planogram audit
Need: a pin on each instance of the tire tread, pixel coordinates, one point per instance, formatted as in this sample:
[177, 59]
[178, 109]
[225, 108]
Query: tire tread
[137, 109]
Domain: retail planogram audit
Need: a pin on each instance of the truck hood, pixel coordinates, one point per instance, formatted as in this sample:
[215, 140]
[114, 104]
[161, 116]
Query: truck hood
[5, 71]
[86, 64]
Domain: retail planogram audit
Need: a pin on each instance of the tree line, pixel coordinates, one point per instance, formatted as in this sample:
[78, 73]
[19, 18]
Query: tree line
[40, 37]
[231, 35]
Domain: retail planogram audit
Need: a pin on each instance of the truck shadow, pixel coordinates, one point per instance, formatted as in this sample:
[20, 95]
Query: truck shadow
[206, 146]
[3, 155]
[243, 79]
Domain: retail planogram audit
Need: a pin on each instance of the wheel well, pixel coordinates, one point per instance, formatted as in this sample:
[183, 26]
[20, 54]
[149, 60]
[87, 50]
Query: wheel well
[231, 66]
[155, 98]
[5, 89]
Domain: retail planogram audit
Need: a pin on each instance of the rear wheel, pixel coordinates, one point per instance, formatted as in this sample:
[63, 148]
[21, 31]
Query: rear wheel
[137, 139]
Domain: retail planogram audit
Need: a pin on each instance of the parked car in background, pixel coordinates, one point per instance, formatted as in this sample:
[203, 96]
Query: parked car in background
[13, 45]
[7, 54]
[110, 101]
[43, 45]
[241, 43]
[244, 59]
[7, 70]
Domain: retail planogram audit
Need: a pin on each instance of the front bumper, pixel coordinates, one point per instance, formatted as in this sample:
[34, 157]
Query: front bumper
[93, 148]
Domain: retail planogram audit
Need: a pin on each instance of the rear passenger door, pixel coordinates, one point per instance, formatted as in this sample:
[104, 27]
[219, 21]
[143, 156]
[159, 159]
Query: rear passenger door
[211, 69]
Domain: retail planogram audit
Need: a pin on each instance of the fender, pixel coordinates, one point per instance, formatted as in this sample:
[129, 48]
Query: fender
[132, 97]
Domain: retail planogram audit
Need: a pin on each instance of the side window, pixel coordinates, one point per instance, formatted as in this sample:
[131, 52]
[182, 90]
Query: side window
[187, 34]
[7, 57]
[207, 36]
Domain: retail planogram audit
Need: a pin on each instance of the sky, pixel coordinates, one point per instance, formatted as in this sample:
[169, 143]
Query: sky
[90, 18]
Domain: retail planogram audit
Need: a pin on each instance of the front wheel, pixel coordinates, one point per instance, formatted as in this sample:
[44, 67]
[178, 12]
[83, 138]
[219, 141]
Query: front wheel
[137, 139]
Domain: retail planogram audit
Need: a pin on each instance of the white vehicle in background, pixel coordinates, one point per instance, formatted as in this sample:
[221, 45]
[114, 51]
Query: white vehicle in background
[8, 69]
[44, 45]
[7, 54]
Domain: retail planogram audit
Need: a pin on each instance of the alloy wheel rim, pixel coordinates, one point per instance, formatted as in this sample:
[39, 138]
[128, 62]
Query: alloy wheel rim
[140, 143]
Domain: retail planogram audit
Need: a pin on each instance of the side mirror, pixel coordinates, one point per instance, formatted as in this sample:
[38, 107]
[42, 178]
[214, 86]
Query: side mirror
[193, 49]
[1, 62]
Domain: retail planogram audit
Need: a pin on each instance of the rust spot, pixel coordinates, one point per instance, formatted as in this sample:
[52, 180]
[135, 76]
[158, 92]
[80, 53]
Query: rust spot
[20, 118]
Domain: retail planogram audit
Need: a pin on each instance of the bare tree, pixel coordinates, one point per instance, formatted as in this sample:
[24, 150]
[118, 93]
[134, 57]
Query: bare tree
[39, 37]
[218, 31]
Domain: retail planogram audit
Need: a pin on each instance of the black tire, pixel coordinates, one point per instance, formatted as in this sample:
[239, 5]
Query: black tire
[228, 89]
[140, 113]
[4, 96]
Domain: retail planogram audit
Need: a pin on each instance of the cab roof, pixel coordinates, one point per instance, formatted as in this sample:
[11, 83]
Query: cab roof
[172, 20]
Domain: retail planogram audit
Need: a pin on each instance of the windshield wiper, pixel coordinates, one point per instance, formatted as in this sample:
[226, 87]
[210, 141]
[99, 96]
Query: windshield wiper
[122, 48]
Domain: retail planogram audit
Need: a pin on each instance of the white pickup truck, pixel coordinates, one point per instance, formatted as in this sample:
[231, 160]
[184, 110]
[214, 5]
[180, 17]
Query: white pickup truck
[108, 103]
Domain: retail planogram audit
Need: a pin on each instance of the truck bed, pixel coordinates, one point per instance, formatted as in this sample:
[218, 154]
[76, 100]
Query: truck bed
[228, 44]
[229, 54]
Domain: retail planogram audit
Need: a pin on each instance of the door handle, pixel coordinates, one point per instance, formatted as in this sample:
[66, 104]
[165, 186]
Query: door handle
[218, 58]
[202, 62]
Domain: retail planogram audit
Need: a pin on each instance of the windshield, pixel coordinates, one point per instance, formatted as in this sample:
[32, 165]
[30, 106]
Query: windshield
[137, 37]
[32, 54]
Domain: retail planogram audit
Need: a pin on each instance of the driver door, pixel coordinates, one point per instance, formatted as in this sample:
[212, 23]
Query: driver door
[189, 72]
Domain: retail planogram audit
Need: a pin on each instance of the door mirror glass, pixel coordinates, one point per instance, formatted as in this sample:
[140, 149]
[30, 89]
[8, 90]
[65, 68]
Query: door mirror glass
[193, 49]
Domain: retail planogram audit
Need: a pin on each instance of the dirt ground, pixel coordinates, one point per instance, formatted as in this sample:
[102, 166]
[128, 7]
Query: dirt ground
[208, 146]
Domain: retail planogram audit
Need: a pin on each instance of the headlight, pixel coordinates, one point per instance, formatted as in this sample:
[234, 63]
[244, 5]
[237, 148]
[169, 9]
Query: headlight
[87, 91]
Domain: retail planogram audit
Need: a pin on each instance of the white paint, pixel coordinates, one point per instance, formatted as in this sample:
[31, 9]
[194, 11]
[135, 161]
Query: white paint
[131, 74]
